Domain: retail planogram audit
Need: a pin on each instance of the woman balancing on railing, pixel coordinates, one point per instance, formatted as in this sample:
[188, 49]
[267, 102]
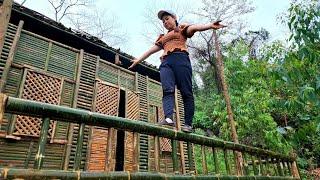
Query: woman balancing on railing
[175, 68]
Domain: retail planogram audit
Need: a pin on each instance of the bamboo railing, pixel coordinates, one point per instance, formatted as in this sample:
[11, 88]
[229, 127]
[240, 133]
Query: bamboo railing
[258, 163]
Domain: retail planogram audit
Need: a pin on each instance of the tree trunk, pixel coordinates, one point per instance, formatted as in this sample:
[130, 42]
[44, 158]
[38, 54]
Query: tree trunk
[5, 12]
[226, 96]
[217, 77]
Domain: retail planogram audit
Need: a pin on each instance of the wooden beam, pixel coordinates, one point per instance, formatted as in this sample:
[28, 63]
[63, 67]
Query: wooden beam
[5, 13]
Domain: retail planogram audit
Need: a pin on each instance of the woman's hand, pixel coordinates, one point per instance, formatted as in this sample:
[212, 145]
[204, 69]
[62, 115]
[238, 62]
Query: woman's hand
[135, 61]
[217, 25]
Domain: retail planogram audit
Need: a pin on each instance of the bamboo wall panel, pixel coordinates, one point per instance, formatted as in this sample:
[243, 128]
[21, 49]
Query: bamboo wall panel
[62, 62]
[37, 87]
[31, 51]
[84, 101]
[143, 102]
[7, 45]
[18, 153]
[61, 129]
[107, 102]
[53, 159]
[127, 80]
[154, 93]
[132, 109]
[108, 73]
[11, 89]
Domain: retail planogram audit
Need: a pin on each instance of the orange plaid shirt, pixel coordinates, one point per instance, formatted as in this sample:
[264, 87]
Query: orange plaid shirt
[174, 40]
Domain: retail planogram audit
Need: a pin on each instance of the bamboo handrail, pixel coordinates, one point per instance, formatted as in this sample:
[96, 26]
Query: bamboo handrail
[60, 113]
[37, 109]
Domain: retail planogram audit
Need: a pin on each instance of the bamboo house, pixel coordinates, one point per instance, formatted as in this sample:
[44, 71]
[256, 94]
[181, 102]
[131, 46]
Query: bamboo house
[44, 61]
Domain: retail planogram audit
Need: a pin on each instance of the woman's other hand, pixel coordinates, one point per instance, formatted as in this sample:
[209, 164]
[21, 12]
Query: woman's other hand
[135, 61]
[217, 25]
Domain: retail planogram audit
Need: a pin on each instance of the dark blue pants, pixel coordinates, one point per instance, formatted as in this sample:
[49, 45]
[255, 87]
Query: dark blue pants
[176, 70]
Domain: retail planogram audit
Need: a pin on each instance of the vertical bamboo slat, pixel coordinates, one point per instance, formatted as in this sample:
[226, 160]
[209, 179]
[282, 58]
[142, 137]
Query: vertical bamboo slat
[190, 158]
[204, 159]
[156, 153]
[280, 168]
[42, 143]
[48, 56]
[254, 164]
[226, 161]
[245, 165]
[78, 156]
[174, 156]
[216, 161]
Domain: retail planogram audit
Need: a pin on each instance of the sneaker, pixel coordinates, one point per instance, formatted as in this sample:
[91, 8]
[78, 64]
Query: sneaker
[166, 123]
[187, 129]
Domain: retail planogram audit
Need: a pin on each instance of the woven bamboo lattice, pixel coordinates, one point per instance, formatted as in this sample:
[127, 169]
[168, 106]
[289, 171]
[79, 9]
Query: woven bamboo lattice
[37, 87]
[107, 101]
[165, 143]
[133, 106]
[132, 113]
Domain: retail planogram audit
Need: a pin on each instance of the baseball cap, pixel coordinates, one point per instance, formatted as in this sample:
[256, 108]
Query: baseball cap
[162, 12]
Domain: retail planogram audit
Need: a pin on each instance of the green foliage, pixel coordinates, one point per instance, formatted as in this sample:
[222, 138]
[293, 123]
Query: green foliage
[275, 98]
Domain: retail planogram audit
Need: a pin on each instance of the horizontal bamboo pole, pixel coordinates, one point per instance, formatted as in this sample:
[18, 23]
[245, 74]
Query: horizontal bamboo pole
[66, 114]
[8, 173]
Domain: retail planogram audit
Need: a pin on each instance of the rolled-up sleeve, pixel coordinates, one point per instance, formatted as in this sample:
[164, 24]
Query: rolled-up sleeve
[159, 41]
[183, 28]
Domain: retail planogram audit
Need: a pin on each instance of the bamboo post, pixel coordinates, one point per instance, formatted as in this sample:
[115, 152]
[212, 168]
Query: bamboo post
[274, 162]
[245, 165]
[280, 168]
[204, 159]
[254, 165]
[261, 166]
[10, 56]
[156, 154]
[78, 157]
[285, 172]
[190, 159]
[5, 13]
[178, 124]
[26, 163]
[295, 170]
[289, 168]
[267, 166]
[174, 156]
[225, 155]
[42, 143]
[48, 56]
[3, 99]
[215, 159]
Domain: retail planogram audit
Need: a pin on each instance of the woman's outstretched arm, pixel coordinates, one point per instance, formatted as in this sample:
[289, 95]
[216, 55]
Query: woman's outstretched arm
[203, 27]
[145, 55]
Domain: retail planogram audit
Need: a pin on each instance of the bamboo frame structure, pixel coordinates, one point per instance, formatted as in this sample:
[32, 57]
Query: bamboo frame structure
[11, 173]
